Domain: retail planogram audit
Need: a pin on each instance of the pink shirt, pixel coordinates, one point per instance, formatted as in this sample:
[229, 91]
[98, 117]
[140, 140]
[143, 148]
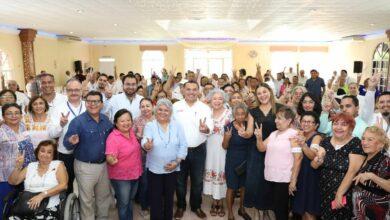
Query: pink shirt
[279, 159]
[128, 152]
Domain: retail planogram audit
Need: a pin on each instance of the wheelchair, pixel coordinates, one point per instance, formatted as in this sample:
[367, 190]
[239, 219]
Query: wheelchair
[69, 208]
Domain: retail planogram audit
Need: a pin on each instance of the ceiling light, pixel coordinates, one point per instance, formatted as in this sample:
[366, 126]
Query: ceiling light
[372, 24]
[135, 32]
[71, 32]
[115, 25]
[79, 11]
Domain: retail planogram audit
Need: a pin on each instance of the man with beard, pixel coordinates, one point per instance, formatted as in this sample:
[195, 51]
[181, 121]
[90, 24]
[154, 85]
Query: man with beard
[48, 92]
[129, 99]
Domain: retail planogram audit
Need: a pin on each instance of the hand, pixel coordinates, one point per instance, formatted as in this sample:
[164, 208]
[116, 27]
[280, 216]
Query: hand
[240, 130]
[327, 107]
[234, 71]
[64, 119]
[19, 160]
[149, 144]
[74, 139]
[258, 67]
[228, 132]
[379, 122]
[112, 159]
[373, 81]
[35, 201]
[339, 201]
[294, 142]
[292, 187]
[321, 152]
[301, 140]
[258, 131]
[203, 126]
[172, 71]
[362, 178]
[171, 166]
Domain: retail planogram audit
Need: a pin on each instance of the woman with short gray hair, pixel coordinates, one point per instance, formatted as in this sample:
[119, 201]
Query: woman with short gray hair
[166, 147]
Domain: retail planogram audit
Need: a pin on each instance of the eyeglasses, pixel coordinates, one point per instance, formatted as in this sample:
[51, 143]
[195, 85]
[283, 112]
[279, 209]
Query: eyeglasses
[307, 122]
[340, 124]
[92, 102]
[73, 90]
[308, 102]
[6, 96]
[10, 114]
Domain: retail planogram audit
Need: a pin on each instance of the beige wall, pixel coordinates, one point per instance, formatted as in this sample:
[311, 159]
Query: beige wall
[10, 44]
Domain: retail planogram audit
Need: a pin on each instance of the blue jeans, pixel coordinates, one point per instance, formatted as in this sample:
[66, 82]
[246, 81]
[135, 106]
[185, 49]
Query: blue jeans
[192, 166]
[5, 189]
[125, 191]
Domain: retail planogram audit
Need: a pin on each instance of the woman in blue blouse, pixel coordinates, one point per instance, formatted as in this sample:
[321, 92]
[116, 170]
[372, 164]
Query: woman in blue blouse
[166, 147]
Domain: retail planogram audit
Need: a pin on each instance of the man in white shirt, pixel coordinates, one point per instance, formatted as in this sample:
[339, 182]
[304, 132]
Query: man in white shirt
[302, 78]
[118, 85]
[65, 113]
[195, 117]
[21, 98]
[129, 99]
[290, 74]
[48, 92]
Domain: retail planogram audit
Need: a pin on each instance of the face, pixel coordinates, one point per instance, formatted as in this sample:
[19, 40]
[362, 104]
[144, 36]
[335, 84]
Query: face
[217, 101]
[13, 86]
[46, 154]
[353, 89]
[191, 76]
[348, 107]
[240, 115]
[7, 98]
[38, 106]
[163, 113]
[130, 86]
[73, 91]
[235, 99]
[254, 83]
[102, 82]
[140, 91]
[93, 104]
[12, 116]
[308, 124]
[302, 73]
[384, 104]
[146, 108]
[314, 74]
[161, 95]
[308, 104]
[242, 82]
[47, 85]
[124, 123]
[153, 80]
[221, 82]
[295, 80]
[191, 91]
[229, 90]
[297, 95]
[370, 143]
[281, 122]
[204, 80]
[236, 87]
[263, 95]
[341, 129]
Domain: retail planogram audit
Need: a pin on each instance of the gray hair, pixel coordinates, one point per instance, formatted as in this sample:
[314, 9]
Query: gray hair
[166, 102]
[73, 79]
[240, 106]
[215, 91]
[304, 90]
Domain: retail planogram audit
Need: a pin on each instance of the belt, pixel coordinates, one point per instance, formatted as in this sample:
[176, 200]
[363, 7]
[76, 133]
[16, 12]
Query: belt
[95, 162]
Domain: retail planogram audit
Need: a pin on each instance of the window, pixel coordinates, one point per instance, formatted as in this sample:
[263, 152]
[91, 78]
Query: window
[152, 62]
[209, 61]
[380, 64]
[5, 68]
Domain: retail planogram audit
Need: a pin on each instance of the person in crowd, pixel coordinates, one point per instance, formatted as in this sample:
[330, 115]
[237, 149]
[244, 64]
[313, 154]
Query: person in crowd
[22, 98]
[140, 90]
[102, 87]
[236, 86]
[32, 87]
[146, 116]
[342, 160]
[91, 82]
[150, 87]
[39, 125]
[47, 176]
[315, 84]
[129, 99]
[165, 142]
[6, 97]
[13, 142]
[236, 155]
[235, 98]
[307, 103]
[257, 189]
[290, 74]
[228, 89]
[214, 182]
[372, 195]
[251, 100]
[87, 136]
[282, 160]
[48, 92]
[285, 88]
[195, 116]
[123, 155]
[306, 200]
[278, 82]
[302, 78]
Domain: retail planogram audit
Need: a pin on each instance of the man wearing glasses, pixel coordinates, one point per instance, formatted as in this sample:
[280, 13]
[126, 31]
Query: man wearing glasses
[86, 136]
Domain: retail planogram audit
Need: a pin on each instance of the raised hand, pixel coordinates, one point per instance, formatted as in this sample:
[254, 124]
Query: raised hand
[74, 139]
[228, 132]
[258, 131]
[19, 160]
[172, 71]
[149, 144]
[258, 67]
[373, 81]
[203, 126]
[64, 119]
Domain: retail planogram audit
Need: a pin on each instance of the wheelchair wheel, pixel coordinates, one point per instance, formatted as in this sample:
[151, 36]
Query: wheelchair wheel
[72, 208]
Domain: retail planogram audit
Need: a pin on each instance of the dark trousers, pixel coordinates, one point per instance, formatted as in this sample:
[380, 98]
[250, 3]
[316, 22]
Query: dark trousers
[68, 160]
[280, 200]
[161, 188]
[142, 194]
[192, 166]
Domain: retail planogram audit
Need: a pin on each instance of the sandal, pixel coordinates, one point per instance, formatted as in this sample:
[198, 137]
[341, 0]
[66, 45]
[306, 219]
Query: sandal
[221, 211]
[243, 214]
[213, 210]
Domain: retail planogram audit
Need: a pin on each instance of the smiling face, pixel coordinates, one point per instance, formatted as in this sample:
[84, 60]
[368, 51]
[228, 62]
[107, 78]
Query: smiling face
[371, 143]
[146, 108]
[163, 113]
[236, 98]
[341, 129]
[297, 95]
[263, 95]
[130, 86]
[74, 91]
[38, 106]
[281, 122]
[47, 85]
[191, 91]
[308, 104]
[12, 116]
[308, 124]
[7, 98]
[124, 123]
[93, 104]
[384, 104]
[46, 154]
[217, 101]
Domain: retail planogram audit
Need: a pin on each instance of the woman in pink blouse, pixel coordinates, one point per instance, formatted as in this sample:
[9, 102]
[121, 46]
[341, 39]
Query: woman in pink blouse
[282, 160]
[123, 154]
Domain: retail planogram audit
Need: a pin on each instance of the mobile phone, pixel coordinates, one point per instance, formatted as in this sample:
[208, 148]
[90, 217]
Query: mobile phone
[343, 201]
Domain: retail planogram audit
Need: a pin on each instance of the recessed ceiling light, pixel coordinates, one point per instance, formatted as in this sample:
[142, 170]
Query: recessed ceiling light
[135, 32]
[115, 25]
[71, 32]
[372, 24]
[79, 11]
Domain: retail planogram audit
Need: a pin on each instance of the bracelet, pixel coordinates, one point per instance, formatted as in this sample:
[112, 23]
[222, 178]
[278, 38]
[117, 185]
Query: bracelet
[296, 150]
[315, 146]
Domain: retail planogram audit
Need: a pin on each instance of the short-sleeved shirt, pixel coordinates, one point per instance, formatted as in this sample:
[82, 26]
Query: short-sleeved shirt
[128, 153]
[314, 86]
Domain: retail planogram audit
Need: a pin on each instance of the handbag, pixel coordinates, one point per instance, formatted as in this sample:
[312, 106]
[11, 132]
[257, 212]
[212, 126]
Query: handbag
[21, 207]
[240, 169]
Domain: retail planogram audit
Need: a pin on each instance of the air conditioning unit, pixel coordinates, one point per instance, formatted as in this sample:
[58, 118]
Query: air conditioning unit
[68, 38]
[353, 38]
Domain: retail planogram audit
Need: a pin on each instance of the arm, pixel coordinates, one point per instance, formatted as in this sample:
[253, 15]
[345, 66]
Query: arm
[111, 151]
[294, 172]
[17, 176]
[258, 73]
[261, 145]
[383, 183]
[226, 138]
[249, 130]
[325, 124]
[72, 130]
[182, 152]
[310, 153]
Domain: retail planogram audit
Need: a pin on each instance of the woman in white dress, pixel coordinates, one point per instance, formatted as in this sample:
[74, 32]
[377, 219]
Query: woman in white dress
[214, 182]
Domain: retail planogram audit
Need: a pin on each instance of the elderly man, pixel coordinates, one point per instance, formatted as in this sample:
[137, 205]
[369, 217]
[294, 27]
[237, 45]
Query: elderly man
[21, 98]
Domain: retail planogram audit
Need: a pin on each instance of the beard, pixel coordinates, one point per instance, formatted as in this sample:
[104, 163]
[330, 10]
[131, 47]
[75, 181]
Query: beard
[386, 114]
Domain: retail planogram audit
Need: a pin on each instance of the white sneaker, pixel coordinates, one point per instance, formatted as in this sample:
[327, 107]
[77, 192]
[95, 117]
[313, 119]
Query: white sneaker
[144, 213]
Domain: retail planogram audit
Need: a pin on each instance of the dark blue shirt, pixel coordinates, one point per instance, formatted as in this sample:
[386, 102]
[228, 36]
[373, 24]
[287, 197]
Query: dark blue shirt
[92, 137]
[314, 86]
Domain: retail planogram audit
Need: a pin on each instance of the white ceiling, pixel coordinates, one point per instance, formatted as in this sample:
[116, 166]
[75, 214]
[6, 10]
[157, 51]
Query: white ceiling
[264, 20]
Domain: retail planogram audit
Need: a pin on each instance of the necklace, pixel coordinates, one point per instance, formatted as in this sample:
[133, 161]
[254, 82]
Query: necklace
[161, 135]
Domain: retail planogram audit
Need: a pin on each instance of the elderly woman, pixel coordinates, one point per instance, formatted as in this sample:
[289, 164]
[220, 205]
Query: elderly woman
[13, 141]
[372, 195]
[166, 145]
[6, 96]
[235, 98]
[123, 154]
[39, 124]
[343, 158]
[47, 178]
[214, 182]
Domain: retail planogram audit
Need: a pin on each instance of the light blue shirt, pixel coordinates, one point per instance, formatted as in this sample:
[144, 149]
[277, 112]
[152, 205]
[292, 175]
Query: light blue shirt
[167, 146]
[326, 126]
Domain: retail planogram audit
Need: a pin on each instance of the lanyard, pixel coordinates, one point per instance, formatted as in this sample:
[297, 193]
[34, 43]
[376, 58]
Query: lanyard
[81, 106]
